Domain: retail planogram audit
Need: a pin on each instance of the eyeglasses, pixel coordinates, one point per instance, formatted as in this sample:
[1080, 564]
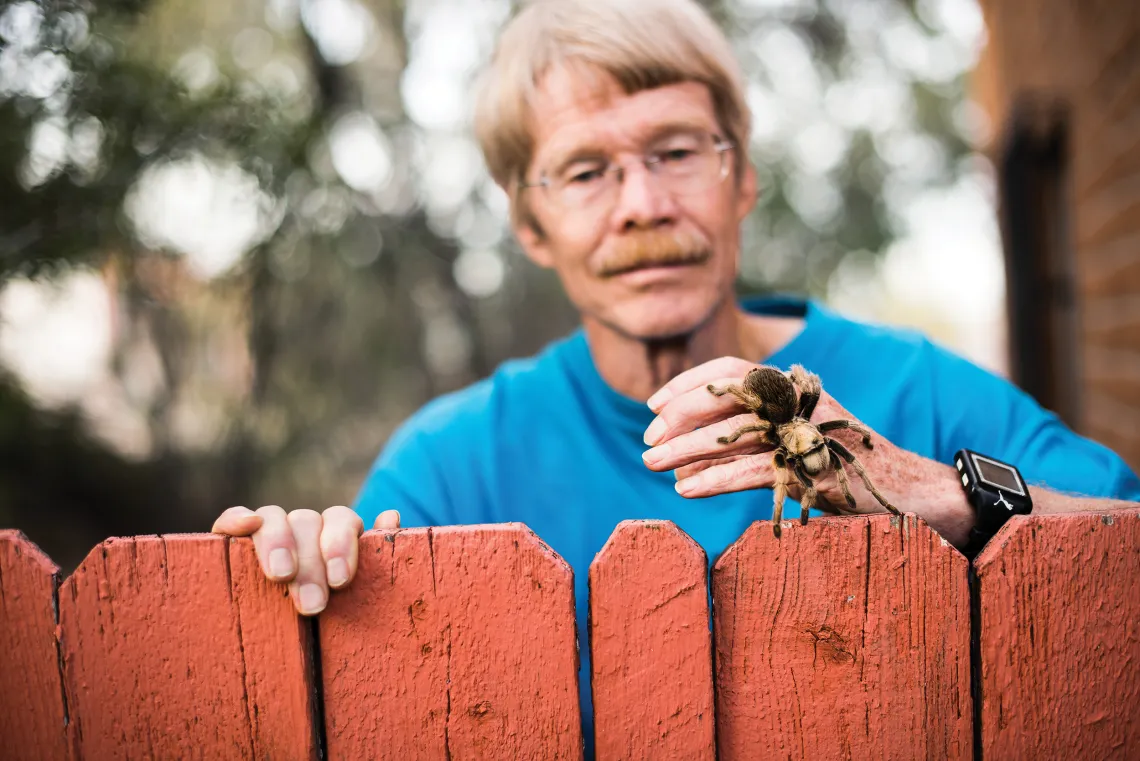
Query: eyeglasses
[683, 164]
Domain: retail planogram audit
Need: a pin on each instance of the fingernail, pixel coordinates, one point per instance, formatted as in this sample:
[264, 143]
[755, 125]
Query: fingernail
[657, 401]
[281, 563]
[686, 485]
[656, 455]
[312, 599]
[338, 572]
[654, 431]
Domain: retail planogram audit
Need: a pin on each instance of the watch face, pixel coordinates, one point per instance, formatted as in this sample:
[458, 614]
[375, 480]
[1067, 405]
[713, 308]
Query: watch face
[998, 475]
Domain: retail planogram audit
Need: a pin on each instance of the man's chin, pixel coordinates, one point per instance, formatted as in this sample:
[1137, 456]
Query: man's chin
[661, 322]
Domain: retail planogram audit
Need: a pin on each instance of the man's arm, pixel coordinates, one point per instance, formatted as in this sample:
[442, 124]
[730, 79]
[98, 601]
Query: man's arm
[690, 420]
[944, 505]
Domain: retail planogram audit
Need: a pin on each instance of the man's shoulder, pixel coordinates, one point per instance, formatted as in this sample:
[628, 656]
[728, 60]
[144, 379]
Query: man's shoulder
[860, 357]
[855, 342]
[880, 335]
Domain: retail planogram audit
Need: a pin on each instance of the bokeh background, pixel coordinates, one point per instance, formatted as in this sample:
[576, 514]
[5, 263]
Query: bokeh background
[241, 241]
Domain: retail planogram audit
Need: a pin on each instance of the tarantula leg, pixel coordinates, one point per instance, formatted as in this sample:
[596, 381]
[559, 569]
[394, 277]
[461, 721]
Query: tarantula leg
[761, 427]
[809, 388]
[810, 493]
[832, 425]
[780, 490]
[743, 395]
[841, 476]
[843, 452]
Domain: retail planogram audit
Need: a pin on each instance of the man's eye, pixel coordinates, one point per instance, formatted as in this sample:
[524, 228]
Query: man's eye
[584, 177]
[676, 155]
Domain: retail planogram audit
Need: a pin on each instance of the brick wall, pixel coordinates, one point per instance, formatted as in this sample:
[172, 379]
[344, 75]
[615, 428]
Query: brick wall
[1086, 56]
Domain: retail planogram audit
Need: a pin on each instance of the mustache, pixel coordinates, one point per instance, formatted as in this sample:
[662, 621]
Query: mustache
[654, 249]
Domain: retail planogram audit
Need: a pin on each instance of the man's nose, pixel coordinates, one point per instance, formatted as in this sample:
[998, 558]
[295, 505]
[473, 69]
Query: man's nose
[642, 201]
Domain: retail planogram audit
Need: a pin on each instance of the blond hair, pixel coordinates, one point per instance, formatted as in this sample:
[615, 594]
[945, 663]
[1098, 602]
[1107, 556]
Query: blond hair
[641, 43]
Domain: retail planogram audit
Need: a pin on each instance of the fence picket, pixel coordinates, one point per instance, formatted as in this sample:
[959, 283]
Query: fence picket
[383, 644]
[1060, 637]
[167, 656]
[453, 643]
[32, 712]
[846, 638]
[650, 645]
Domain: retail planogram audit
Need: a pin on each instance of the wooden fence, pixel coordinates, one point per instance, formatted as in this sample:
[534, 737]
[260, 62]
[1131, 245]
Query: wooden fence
[848, 638]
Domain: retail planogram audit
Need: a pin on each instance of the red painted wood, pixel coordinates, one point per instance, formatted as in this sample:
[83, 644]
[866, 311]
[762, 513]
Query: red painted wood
[277, 649]
[32, 712]
[384, 654]
[453, 643]
[154, 638]
[846, 638]
[1060, 637]
[650, 645]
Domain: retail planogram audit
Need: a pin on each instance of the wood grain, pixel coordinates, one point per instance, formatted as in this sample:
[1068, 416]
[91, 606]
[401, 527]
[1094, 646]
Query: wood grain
[453, 643]
[847, 638]
[33, 716]
[168, 656]
[650, 645]
[383, 644]
[1060, 637]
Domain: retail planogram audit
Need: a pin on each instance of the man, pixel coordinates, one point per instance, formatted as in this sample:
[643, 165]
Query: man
[619, 130]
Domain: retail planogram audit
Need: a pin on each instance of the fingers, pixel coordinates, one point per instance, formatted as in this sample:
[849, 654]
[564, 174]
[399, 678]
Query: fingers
[702, 444]
[389, 519]
[276, 550]
[700, 465]
[340, 531]
[699, 377]
[749, 472]
[237, 521]
[691, 409]
[309, 588]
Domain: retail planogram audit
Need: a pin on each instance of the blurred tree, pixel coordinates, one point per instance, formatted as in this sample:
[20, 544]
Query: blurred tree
[368, 265]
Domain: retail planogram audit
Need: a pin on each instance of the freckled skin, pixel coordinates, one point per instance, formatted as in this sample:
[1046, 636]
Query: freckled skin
[784, 406]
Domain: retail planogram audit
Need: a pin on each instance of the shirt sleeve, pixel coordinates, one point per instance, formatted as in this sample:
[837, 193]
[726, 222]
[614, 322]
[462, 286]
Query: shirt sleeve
[978, 410]
[406, 478]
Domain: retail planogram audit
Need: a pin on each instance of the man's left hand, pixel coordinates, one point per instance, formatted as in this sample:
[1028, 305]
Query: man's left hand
[690, 419]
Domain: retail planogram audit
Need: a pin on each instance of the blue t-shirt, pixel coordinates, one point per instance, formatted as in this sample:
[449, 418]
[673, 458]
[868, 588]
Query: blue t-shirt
[545, 441]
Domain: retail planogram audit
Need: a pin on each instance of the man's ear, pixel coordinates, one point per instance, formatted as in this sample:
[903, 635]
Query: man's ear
[747, 191]
[534, 242]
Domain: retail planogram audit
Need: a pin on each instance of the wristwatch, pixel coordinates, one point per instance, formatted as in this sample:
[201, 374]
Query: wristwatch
[995, 490]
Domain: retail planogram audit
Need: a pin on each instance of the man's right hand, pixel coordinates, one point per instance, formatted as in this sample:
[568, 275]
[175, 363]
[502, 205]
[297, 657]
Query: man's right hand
[311, 551]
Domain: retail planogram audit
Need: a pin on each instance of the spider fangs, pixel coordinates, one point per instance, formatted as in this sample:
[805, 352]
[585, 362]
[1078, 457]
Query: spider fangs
[801, 448]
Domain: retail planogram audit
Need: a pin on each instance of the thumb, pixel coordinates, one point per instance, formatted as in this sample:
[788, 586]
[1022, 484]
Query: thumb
[388, 519]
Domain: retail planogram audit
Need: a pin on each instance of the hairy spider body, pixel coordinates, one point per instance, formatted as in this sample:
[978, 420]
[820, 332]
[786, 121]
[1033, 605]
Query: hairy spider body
[804, 445]
[801, 449]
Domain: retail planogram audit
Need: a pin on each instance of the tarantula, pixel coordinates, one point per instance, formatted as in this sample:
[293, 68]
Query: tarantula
[784, 405]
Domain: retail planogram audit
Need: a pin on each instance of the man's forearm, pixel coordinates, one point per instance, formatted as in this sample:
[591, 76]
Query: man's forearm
[950, 514]
[946, 509]
[1046, 501]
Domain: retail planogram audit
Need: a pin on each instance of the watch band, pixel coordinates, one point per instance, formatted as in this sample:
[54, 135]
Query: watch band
[976, 543]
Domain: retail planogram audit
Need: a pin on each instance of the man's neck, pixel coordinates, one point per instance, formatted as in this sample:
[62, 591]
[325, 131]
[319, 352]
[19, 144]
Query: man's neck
[637, 367]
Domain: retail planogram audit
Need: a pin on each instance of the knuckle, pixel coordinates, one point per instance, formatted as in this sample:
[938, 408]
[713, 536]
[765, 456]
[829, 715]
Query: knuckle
[304, 518]
[270, 511]
[740, 366]
[343, 514]
[337, 538]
